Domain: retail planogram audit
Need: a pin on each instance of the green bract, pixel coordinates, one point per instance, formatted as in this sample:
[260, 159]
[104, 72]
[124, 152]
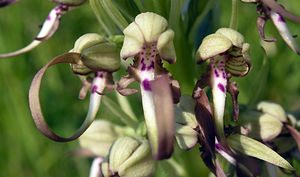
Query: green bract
[129, 157]
[256, 149]
[146, 29]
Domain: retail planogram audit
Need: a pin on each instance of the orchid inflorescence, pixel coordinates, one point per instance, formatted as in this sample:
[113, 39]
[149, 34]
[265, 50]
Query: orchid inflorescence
[136, 147]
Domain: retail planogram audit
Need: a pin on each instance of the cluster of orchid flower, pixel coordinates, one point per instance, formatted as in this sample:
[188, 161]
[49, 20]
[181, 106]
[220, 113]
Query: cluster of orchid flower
[135, 149]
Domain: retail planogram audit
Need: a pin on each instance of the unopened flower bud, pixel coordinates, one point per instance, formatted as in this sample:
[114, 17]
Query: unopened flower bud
[261, 125]
[99, 137]
[186, 123]
[129, 157]
[274, 109]
[97, 53]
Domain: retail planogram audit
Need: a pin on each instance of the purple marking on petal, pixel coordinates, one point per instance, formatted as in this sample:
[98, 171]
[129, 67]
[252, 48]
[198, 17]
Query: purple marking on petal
[224, 75]
[143, 68]
[99, 74]
[221, 87]
[218, 146]
[216, 73]
[281, 19]
[146, 85]
[151, 66]
[94, 89]
[49, 17]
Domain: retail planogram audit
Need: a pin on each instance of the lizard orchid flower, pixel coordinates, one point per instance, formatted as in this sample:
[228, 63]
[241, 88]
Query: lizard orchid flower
[49, 26]
[93, 55]
[270, 9]
[149, 41]
[227, 54]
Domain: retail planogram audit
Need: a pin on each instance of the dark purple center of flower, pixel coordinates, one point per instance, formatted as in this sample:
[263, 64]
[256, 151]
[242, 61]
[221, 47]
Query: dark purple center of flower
[147, 57]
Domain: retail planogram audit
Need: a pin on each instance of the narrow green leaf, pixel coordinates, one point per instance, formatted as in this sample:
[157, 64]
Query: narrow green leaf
[253, 148]
[115, 109]
[114, 13]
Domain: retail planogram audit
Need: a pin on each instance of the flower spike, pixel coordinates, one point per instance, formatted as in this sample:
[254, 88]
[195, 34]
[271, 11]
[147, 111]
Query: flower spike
[49, 26]
[88, 49]
[148, 40]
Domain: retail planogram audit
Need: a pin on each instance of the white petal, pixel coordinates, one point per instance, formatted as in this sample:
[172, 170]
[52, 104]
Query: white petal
[235, 37]
[213, 45]
[165, 46]
[133, 41]
[151, 25]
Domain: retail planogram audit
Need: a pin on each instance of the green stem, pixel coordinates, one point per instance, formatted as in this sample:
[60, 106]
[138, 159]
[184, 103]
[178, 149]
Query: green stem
[233, 19]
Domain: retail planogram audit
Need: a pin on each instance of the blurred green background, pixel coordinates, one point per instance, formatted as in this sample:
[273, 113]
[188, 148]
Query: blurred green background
[25, 152]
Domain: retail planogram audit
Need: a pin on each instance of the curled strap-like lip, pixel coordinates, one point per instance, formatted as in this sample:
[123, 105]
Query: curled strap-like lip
[35, 106]
[163, 104]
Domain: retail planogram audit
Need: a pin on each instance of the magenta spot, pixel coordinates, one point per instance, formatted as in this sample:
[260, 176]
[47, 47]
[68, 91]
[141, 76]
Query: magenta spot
[216, 73]
[224, 75]
[221, 87]
[143, 68]
[49, 17]
[94, 89]
[151, 66]
[146, 85]
[280, 19]
[142, 53]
